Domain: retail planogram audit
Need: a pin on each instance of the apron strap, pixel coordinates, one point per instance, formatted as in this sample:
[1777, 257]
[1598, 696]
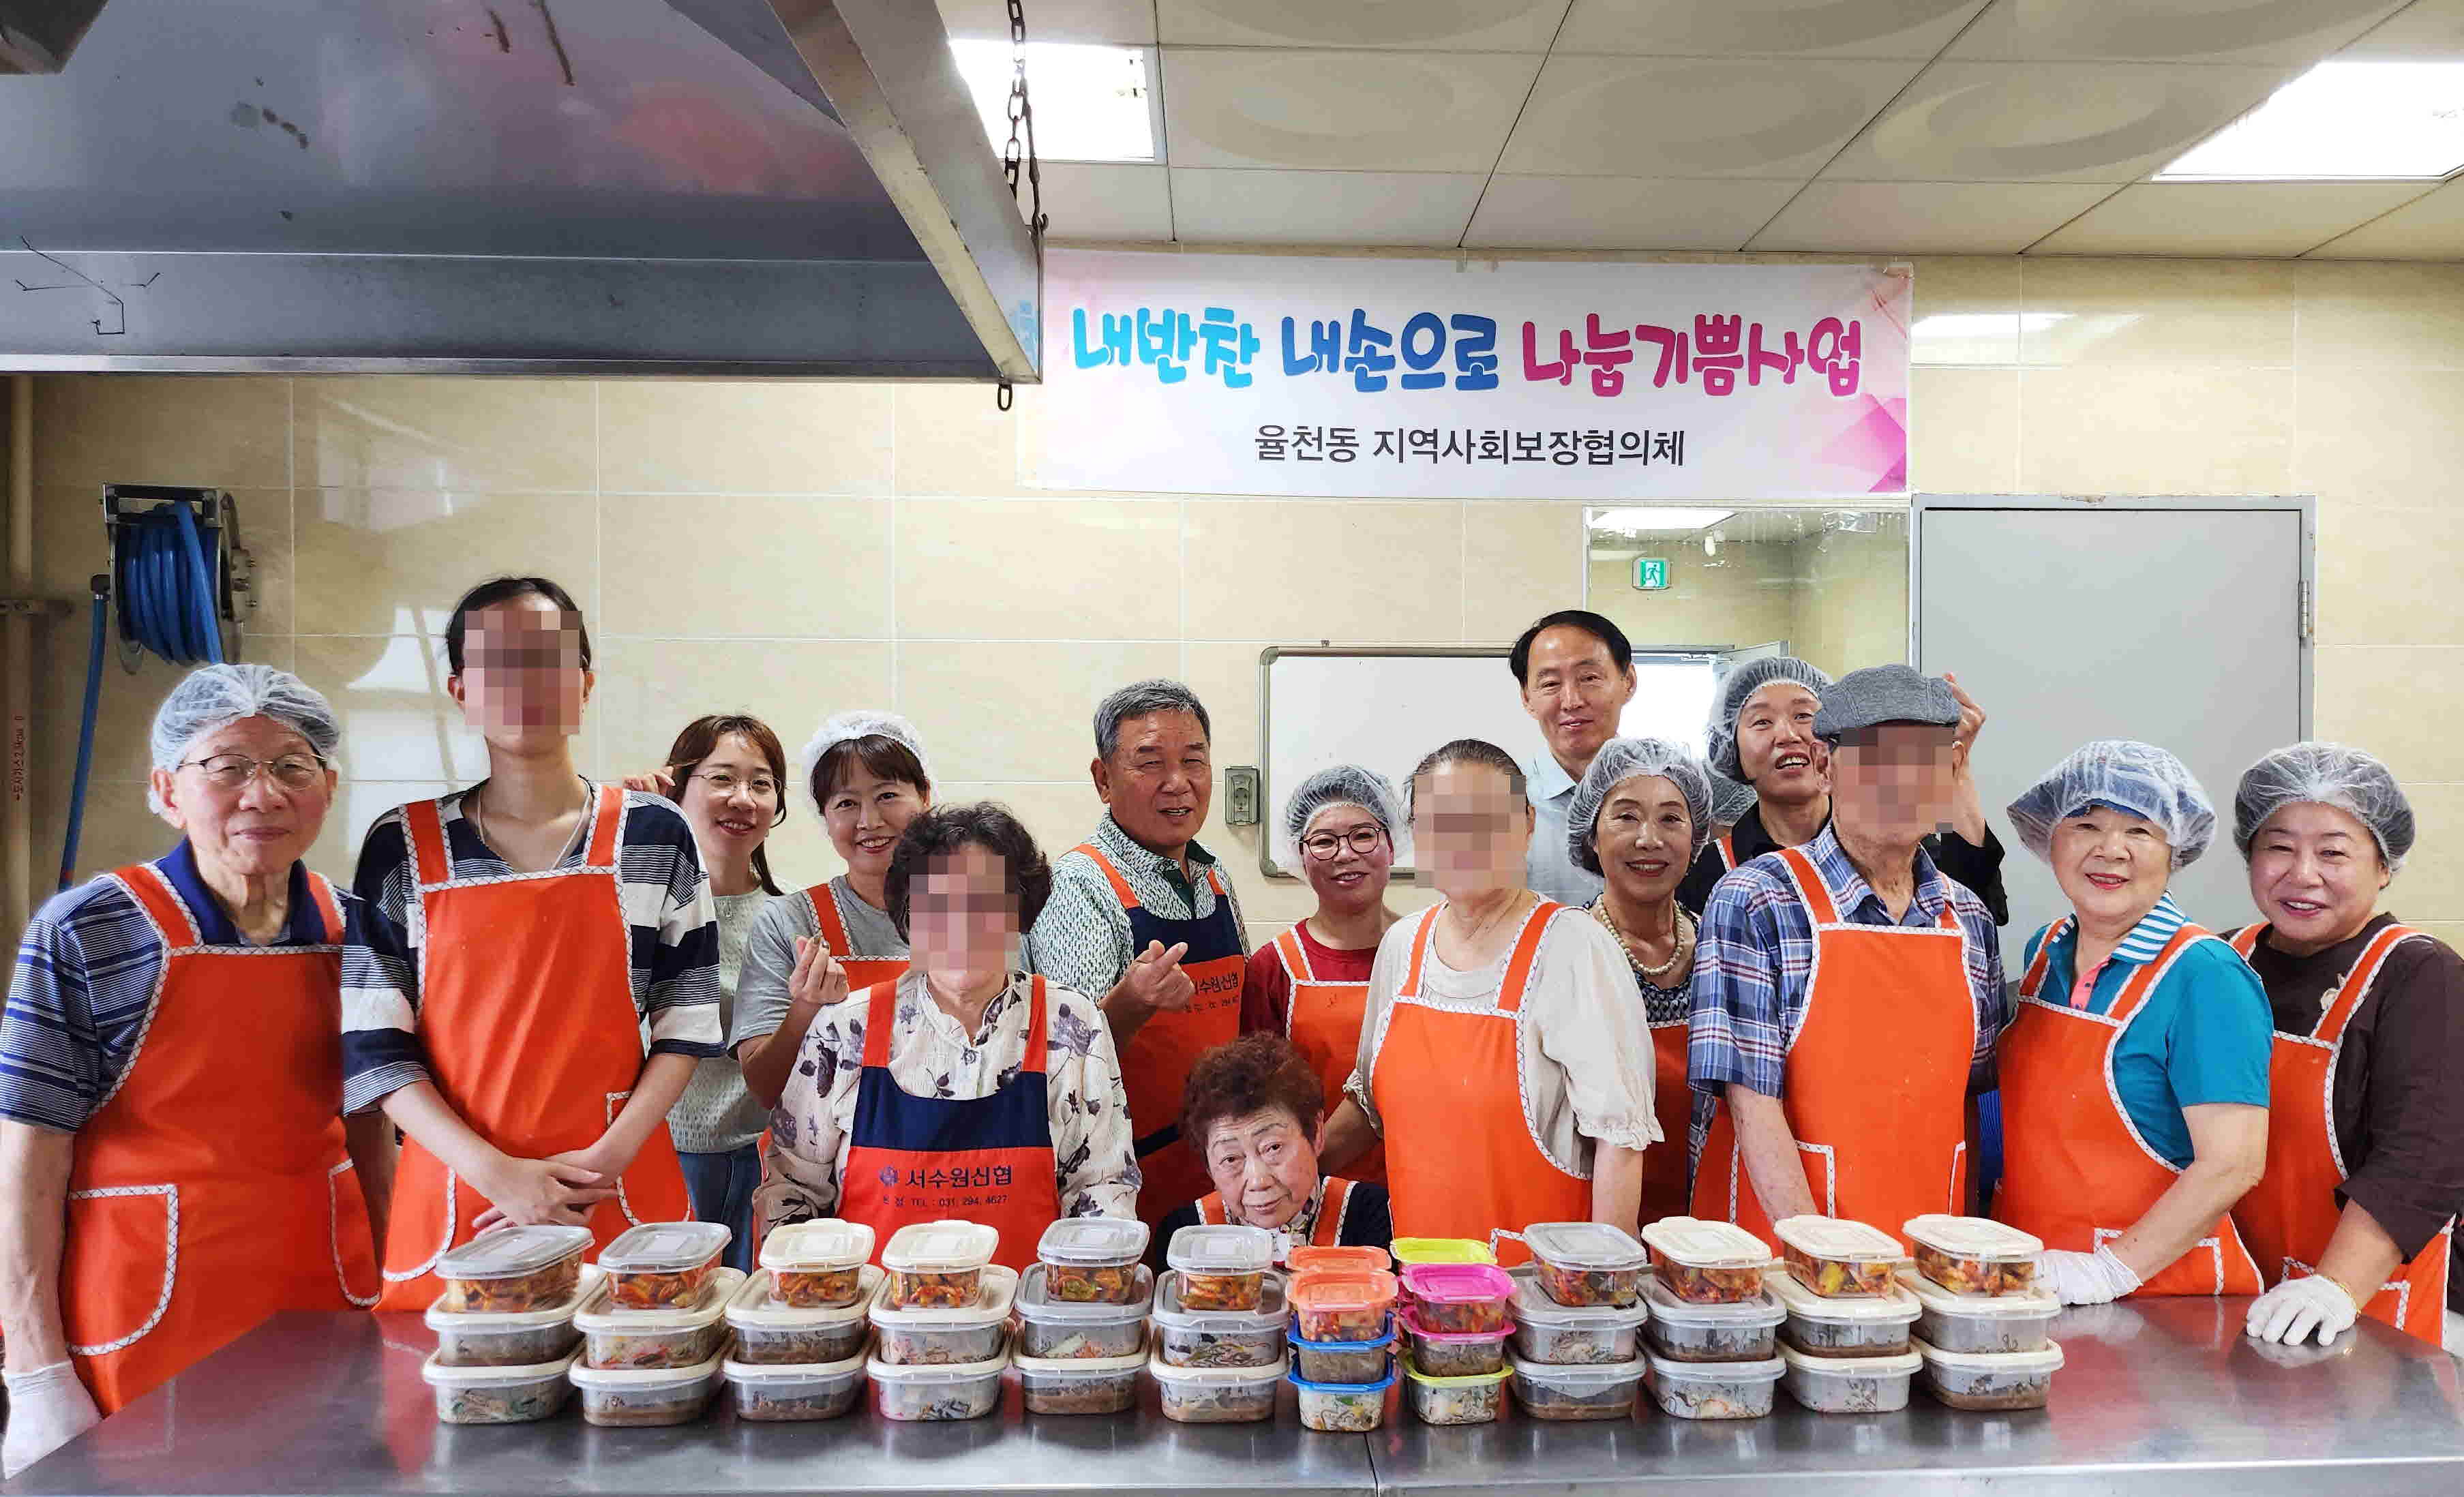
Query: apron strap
[1411, 987]
[1038, 1016]
[1727, 843]
[1296, 965]
[2035, 978]
[825, 917]
[2143, 982]
[880, 1012]
[1810, 887]
[1210, 1209]
[606, 823]
[1112, 876]
[329, 909]
[1526, 951]
[1332, 1206]
[2357, 982]
[154, 894]
[423, 824]
[2246, 939]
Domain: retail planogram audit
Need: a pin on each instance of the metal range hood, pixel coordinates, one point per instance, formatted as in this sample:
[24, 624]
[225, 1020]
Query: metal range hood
[793, 188]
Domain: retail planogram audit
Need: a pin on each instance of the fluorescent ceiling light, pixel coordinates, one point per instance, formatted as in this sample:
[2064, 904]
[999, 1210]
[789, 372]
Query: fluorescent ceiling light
[1091, 102]
[1654, 519]
[2396, 121]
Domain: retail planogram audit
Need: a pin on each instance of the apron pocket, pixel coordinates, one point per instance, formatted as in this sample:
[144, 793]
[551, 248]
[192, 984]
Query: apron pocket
[123, 1243]
[354, 1244]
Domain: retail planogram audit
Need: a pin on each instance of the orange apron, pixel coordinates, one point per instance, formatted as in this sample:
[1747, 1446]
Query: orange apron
[1663, 1164]
[1876, 1074]
[1334, 1198]
[526, 1011]
[2075, 1170]
[861, 972]
[1464, 1160]
[2291, 1213]
[1727, 843]
[1156, 1063]
[1323, 1021]
[212, 1186]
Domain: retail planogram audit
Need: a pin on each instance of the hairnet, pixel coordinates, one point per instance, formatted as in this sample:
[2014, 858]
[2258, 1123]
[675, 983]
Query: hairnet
[1339, 784]
[2325, 774]
[1730, 798]
[214, 696]
[846, 728]
[2139, 778]
[1620, 760]
[1879, 694]
[1728, 699]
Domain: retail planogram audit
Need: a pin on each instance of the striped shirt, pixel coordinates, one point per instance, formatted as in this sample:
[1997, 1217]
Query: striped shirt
[1082, 940]
[85, 986]
[667, 903]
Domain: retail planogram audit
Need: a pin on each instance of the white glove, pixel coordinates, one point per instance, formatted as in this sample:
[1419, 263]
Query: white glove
[2096, 1277]
[2296, 1308]
[48, 1407]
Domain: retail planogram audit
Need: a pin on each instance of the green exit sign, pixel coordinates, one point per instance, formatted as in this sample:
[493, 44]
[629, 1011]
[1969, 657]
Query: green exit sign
[1651, 573]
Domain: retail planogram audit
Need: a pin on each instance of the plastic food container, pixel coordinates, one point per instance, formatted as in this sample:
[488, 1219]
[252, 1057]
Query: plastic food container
[777, 1395]
[1357, 1363]
[772, 1335]
[1342, 1306]
[498, 1394]
[1309, 1259]
[1833, 1256]
[1981, 1323]
[517, 1338]
[1603, 1390]
[1053, 1329]
[634, 1339]
[1715, 1389]
[1973, 1255]
[818, 1265]
[663, 1265]
[1454, 1401]
[1688, 1332]
[2008, 1380]
[1848, 1326]
[1218, 1339]
[1221, 1268]
[936, 1264]
[1092, 1260]
[1849, 1385]
[1408, 1251]
[1080, 1385]
[945, 1337]
[1459, 1299]
[939, 1391]
[659, 1396]
[1444, 1353]
[1217, 1394]
[1559, 1335]
[1707, 1262]
[514, 1272]
[1587, 1264]
[1343, 1407]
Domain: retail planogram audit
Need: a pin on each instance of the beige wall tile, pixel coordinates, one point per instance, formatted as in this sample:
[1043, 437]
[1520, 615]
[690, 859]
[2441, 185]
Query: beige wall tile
[2134, 428]
[2394, 702]
[1966, 310]
[2236, 314]
[2387, 577]
[2386, 317]
[118, 831]
[1039, 569]
[648, 689]
[994, 711]
[1963, 430]
[393, 561]
[219, 431]
[1226, 678]
[1059, 816]
[418, 432]
[398, 723]
[2379, 436]
[670, 436]
[2451, 931]
[953, 440]
[2432, 885]
[732, 565]
[1521, 560]
[1352, 571]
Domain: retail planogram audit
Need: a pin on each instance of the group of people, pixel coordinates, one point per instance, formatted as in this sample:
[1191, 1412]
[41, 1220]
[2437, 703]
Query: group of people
[228, 1087]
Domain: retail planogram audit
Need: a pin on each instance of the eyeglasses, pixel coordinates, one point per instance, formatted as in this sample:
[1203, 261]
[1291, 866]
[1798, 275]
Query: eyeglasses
[1326, 846]
[231, 771]
[724, 783]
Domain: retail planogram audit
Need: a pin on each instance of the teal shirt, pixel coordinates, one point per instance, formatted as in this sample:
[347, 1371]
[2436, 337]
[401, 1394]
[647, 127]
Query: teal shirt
[2203, 1036]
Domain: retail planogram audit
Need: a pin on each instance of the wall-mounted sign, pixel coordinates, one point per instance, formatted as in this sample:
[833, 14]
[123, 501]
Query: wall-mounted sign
[1650, 572]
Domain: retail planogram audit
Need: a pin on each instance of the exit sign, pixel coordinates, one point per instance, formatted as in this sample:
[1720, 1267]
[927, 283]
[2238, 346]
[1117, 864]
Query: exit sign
[1651, 573]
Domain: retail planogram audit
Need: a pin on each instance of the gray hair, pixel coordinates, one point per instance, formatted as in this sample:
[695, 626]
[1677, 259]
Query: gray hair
[1141, 699]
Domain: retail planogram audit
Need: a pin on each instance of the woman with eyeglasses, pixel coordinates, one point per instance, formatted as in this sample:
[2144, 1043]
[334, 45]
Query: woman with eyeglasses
[173, 1163]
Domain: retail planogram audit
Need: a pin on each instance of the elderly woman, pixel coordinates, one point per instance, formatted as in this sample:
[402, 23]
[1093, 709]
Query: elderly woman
[1311, 982]
[2355, 1214]
[1503, 1058]
[969, 1086]
[2134, 1079]
[1639, 818]
[171, 1077]
[1256, 1114]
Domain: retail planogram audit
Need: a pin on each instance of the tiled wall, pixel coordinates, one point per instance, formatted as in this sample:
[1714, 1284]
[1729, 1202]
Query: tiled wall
[792, 549]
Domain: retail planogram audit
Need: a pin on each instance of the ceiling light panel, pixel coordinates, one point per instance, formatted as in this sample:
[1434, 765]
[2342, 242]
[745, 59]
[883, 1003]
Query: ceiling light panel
[1093, 102]
[2342, 121]
[1420, 24]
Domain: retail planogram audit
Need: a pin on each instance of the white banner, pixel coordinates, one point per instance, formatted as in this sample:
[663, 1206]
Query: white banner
[1516, 379]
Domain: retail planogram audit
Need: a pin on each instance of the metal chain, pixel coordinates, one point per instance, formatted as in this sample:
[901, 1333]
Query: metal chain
[1021, 151]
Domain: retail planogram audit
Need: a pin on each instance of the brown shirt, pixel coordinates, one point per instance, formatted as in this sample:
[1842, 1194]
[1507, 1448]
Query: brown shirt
[2399, 1094]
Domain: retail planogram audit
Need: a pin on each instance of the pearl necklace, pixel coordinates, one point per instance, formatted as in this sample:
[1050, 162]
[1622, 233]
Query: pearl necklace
[1682, 948]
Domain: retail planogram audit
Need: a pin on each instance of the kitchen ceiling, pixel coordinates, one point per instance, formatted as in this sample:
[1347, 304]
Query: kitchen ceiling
[1861, 126]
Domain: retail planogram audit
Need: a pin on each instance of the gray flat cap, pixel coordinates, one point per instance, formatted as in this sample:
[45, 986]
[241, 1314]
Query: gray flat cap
[1884, 693]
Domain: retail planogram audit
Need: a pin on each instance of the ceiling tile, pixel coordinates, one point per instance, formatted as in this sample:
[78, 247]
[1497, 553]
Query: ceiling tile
[2297, 32]
[1623, 213]
[2048, 121]
[1646, 117]
[2423, 30]
[1924, 217]
[1129, 22]
[1089, 200]
[2224, 219]
[1422, 25]
[2428, 227]
[1360, 111]
[1242, 206]
[1914, 29]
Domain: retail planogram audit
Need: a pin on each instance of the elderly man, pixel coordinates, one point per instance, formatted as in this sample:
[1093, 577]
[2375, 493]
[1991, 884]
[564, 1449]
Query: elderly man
[1576, 673]
[1847, 995]
[1142, 917]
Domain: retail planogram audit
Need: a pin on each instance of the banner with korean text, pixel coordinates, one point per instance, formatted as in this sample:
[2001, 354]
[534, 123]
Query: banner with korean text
[1516, 379]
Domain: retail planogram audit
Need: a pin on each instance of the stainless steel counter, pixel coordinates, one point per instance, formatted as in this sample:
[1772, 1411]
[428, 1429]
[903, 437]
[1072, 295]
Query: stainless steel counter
[2166, 1398]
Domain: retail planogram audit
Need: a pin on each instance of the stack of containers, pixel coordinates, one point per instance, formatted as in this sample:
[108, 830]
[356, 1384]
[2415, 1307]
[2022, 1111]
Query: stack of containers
[1714, 1326]
[1578, 1319]
[1218, 1321]
[1082, 1310]
[1981, 1327]
[1457, 1316]
[1848, 1319]
[505, 1339]
[654, 1333]
[938, 1323]
[800, 1323]
[1343, 1335]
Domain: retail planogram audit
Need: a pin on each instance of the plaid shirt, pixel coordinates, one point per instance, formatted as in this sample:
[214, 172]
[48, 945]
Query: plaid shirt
[1082, 940]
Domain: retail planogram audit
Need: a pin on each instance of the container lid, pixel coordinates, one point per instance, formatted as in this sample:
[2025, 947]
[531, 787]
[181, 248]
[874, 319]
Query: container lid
[439, 1318]
[1895, 1308]
[666, 1248]
[1763, 1310]
[642, 1379]
[1458, 1283]
[753, 1307]
[1837, 1237]
[509, 1252]
[1441, 1249]
[1092, 1366]
[940, 1248]
[1217, 1376]
[1387, 1339]
[1475, 1380]
[597, 1314]
[1715, 1372]
[880, 1370]
[1222, 1249]
[817, 1246]
[440, 1375]
[2044, 1359]
[1310, 1258]
[991, 1306]
[1270, 1314]
[1533, 1307]
[1970, 1237]
[1043, 1308]
[1093, 1241]
[1412, 1323]
[1334, 1294]
[1578, 1373]
[774, 1372]
[1706, 1245]
[1295, 1378]
[2034, 1305]
[1585, 1247]
[1899, 1366]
